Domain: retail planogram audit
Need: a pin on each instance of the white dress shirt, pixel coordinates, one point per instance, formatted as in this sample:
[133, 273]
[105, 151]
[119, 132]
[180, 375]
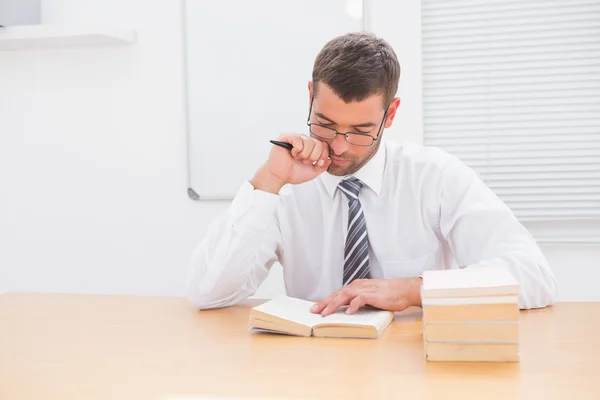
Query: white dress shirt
[424, 209]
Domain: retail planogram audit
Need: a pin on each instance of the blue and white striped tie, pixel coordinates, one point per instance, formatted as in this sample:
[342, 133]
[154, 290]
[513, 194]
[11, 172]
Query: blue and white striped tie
[356, 252]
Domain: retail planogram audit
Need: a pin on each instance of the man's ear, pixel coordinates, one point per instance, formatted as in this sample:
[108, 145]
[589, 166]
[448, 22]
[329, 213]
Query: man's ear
[310, 91]
[392, 112]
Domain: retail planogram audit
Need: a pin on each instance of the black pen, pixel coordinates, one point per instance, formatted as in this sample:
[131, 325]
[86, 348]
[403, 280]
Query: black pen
[282, 144]
[288, 146]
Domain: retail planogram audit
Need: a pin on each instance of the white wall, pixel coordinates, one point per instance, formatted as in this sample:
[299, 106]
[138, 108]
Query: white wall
[19, 12]
[92, 158]
[399, 22]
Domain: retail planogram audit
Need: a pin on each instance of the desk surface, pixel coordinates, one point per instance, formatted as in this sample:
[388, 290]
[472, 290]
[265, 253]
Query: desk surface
[113, 347]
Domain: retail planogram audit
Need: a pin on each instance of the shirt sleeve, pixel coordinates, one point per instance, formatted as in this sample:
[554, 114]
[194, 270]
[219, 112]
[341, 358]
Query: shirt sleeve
[482, 231]
[238, 251]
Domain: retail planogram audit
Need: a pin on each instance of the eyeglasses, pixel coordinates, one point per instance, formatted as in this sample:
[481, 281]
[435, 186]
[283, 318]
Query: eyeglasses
[355, 138]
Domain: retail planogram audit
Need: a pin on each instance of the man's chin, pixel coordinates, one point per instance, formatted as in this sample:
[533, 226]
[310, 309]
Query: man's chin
[336, 170]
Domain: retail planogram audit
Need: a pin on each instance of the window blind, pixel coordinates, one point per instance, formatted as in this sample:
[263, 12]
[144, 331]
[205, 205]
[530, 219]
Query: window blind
[513, 89]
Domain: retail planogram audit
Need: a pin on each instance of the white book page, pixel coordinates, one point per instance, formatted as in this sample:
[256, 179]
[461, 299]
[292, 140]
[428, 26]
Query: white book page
[467, 278]
[292, 309]
[364, 316]
[453, 301]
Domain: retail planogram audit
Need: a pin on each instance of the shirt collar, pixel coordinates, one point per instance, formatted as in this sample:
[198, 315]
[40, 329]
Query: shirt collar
[371, 174]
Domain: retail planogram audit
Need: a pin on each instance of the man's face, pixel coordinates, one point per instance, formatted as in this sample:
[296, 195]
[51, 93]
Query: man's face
[359, 117]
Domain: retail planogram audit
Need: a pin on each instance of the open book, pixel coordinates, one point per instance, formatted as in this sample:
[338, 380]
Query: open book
[292, 316]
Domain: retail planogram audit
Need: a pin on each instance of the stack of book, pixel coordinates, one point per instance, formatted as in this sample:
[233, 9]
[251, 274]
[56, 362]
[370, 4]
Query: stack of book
[470, 314]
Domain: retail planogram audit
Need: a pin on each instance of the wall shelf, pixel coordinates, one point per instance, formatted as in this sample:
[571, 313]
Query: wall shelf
[58, 36]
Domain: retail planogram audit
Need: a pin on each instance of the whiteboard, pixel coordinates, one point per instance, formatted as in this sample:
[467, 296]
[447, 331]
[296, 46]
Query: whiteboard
[248, 63]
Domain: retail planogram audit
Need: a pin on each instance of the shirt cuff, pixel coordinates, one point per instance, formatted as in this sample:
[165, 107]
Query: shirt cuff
[253, 208]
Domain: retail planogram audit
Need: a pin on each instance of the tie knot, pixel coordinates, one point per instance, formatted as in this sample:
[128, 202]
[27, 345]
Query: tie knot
[351, 188]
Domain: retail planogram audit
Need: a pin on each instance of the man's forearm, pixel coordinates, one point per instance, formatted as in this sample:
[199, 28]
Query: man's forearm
[235, 256]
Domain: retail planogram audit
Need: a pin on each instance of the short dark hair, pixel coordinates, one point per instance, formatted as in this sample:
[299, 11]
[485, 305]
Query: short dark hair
[358, 65]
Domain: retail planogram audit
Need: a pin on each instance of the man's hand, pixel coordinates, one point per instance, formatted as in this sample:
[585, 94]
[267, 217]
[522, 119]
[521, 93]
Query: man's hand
[308, 159]
[386, 294]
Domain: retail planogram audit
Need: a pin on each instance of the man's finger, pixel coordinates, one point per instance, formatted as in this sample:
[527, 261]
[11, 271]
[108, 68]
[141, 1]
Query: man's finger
[321, 304]
[361, 300]
[308, 146]
[325, 151]
[322, 166]
[324, 161]
[352, 290]
[316, 152]
[342, 299]
[294, 140]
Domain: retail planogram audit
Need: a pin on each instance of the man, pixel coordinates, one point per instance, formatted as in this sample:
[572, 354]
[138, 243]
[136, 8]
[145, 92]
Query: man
[355, 220]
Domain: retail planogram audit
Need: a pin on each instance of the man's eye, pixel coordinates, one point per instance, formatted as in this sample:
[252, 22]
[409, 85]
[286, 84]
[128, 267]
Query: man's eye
[361, 132]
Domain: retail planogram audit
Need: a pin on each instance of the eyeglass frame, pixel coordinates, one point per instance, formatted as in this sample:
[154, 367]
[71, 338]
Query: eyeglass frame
[336, 133]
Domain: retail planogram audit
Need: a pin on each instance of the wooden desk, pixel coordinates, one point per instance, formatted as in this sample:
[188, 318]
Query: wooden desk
[73, 347]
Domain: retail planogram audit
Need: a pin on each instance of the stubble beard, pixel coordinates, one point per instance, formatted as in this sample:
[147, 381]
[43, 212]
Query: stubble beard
[355, 165]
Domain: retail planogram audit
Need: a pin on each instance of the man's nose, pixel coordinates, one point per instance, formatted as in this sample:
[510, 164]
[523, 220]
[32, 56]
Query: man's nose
[339, 145]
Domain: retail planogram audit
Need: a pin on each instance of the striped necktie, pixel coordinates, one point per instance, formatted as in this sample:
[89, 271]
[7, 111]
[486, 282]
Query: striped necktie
[356, 252]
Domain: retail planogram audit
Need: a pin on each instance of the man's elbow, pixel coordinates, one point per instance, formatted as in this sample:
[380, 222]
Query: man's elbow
[204, 300]
[200, 301]
[211, 299]
[207, 301]
[202, 288]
